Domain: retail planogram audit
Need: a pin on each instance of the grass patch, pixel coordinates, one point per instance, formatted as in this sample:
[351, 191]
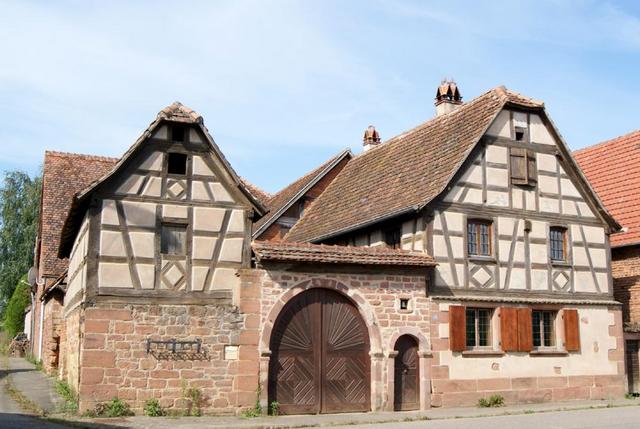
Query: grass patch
[114, 408]
[70, 397]
[152, 408]
[494, 401]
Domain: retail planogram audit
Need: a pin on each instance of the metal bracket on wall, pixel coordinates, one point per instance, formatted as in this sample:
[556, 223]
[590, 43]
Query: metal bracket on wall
[175, 346]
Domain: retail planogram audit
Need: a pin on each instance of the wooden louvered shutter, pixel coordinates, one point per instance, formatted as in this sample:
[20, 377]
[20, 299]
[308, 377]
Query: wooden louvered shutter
[525, 330]
[571, 330]
[509, 329]
[457, 328]
[532, 172]
[518, 160]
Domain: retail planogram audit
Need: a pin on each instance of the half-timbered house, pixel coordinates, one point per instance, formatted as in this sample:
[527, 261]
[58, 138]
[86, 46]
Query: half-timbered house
[464, 258]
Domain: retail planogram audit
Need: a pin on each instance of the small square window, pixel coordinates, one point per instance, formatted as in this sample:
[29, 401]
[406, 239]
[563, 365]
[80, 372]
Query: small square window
[177, 163]
[173, 240]
[404, 303]
[392, 238]
[521, 133]
[177, 133]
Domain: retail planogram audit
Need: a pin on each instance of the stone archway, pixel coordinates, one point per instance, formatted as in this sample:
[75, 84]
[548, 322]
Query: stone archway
[367, 314]
[423, 368]
[320, 359]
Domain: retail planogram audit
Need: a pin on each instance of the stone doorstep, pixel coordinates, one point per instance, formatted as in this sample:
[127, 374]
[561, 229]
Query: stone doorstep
[347, 419]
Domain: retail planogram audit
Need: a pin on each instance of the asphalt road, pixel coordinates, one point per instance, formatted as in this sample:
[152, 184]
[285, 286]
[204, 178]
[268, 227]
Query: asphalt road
[605, 418]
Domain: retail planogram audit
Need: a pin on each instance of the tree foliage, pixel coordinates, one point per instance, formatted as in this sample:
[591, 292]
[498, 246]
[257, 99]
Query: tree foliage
[19, 206]
[14, 312]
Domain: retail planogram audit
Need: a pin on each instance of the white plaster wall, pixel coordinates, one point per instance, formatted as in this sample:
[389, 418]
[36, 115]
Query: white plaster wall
[593, 358]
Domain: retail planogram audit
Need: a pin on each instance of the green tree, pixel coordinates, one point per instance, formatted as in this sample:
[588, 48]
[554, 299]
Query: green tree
[19, 206]
[14, 312]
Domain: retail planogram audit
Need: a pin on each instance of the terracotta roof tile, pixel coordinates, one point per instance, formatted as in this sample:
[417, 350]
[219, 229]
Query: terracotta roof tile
[346, 255]
[404, 173]
[285, 197]
[64, 174]
[257, 192]
[613, 169]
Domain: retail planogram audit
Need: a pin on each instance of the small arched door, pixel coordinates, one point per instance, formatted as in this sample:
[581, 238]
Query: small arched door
[320, 356]
[406, 374]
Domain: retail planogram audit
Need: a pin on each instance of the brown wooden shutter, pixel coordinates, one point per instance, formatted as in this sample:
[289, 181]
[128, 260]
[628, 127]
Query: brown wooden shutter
[571, 330]
[509, 329]
[518, 159]
[457, 328]
[532, 172]
[525, 330]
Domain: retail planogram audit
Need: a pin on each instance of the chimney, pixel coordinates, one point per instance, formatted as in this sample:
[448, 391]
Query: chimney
[371, 138]
[448, 97]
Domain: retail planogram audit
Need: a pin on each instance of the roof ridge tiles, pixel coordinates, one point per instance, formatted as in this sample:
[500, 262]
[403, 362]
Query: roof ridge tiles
[82, 155]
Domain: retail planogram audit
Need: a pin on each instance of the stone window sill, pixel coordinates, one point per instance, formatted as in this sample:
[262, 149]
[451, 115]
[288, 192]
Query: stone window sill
[549, 353]
[480, 258]
[480, 353]
[561, 264]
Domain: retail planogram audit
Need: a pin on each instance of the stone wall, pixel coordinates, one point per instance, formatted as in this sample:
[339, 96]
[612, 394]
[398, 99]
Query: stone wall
[115, 361]
[596, 372]
[52, 334]
[625, 269]
[70, 352]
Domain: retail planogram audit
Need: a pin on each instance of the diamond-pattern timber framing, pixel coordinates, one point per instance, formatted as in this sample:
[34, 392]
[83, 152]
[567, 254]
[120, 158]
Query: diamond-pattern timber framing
[561, 280]
[176, 189]
[173, 275]
[481, 276]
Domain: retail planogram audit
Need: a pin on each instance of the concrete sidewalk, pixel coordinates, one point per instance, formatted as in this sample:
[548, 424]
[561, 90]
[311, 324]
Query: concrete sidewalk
[34, 385]
[346, 420]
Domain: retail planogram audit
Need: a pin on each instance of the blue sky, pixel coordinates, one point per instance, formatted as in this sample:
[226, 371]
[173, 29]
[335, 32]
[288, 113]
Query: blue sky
[283, 85]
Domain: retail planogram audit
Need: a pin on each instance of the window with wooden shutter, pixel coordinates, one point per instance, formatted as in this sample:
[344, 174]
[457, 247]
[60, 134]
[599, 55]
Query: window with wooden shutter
[525, 335]
[516, 329]
[457, 328]
[509, 329]
[173, 239]
[571, 330]
[523, 166]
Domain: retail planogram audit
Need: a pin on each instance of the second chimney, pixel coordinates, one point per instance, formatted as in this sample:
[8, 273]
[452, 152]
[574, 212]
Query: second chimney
[371, 138]
[448, 97]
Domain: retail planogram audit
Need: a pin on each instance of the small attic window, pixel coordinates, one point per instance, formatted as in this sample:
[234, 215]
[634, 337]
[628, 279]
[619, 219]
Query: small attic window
[177, 133]
[177, 163]
[520, 133]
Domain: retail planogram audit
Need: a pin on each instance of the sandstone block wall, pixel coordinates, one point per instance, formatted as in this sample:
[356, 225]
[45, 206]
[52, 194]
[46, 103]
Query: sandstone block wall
[53, 334]
[115, 362]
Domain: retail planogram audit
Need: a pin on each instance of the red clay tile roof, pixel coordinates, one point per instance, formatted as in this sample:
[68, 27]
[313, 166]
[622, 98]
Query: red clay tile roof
[613, 168]
[286, 197]
[260, 194]
[344, 255]
[406, 172]
[64, 174]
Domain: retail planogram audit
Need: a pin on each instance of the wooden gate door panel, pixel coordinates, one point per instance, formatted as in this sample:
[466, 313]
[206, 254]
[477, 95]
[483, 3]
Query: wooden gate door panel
[345, 357]
[406, 375]
[320, 356]
[294, 380]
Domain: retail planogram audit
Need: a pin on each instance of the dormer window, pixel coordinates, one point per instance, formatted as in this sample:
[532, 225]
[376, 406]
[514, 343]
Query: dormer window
[177, 163]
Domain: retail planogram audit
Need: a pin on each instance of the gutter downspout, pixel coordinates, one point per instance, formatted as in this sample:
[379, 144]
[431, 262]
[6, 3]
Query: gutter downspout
[42, 308]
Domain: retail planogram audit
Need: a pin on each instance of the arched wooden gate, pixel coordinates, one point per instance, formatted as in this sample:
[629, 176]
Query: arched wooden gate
[320, 356]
